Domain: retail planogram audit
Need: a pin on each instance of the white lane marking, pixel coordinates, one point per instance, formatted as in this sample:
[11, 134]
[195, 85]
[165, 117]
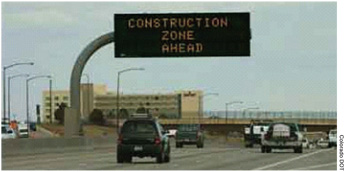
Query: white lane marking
[315, 166]
[292, 159]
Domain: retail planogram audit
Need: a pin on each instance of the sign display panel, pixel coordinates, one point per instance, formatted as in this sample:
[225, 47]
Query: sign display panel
[182, 35]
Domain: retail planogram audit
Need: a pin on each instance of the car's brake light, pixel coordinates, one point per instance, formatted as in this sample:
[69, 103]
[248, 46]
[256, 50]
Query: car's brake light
[120, 139]
[267, 135]
[157, 141]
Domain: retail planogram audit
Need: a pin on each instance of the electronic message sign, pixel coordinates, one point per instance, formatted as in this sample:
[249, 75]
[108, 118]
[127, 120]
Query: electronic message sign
[182, 35]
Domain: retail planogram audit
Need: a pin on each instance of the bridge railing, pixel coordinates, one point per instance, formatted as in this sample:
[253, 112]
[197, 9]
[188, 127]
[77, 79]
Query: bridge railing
[245, 121]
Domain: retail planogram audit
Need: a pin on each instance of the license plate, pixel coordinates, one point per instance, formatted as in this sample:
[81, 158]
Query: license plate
[187, 140]
[138, 148]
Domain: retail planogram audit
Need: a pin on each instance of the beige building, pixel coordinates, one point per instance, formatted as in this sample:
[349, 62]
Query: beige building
[87, 92]
[180, 104]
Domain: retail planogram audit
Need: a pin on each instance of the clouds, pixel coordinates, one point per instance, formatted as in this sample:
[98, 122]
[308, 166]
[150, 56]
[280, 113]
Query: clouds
[35, 18]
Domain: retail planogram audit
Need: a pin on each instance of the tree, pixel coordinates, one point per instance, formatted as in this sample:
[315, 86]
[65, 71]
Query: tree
[123, 113]
[59, 113]
[96, 117]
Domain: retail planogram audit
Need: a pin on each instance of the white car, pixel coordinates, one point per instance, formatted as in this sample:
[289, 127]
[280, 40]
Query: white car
[23, 131]
[322, 143]
[7, 133]
[305, 142]
[172, 133]
[332, 138]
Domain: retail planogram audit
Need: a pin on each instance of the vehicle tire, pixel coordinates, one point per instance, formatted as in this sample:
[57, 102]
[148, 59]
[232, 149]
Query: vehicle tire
[120, 158]
[268, 150]
[263, 149]
[160, 157]
[248, 145]
[181, 145]
[128, 159]
[301, 149]
[167, 157]
[298, 149]
[178, 145]
[199, 145]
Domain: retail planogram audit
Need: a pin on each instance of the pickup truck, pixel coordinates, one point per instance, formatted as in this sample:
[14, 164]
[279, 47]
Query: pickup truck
[282, 136]
[189, 134]
[253, 132]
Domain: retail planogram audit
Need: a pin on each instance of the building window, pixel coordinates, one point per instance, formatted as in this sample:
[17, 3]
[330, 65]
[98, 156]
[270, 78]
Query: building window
[65, 98]
[47, 98]
[56, 97]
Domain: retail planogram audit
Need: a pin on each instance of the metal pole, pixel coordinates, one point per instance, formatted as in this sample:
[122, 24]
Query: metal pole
[199, 108]
[118, 82]
[8, 99]
[4, 92]
[226, 113]
[4, 84]
[50, 87]
[27, 95]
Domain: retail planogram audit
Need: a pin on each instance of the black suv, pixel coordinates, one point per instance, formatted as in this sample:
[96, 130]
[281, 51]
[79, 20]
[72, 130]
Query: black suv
[143, 137]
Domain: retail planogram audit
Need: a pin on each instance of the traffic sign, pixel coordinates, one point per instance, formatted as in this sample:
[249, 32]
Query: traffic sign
[182, 35]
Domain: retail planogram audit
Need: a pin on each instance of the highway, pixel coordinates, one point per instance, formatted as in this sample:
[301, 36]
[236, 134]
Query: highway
[214, 156]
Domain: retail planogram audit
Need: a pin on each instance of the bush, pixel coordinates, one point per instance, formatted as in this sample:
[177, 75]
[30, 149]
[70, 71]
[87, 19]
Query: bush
[96, 117]
[59, 113]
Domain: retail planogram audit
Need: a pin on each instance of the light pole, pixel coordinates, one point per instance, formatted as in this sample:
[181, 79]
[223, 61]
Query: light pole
[88, 90]
[9, 92]
[4, 83]
[230, 103]
[118, 82]
[201, 98]
[27, 93]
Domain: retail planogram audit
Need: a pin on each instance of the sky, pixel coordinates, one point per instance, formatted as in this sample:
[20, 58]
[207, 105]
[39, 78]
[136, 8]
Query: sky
[293, 62]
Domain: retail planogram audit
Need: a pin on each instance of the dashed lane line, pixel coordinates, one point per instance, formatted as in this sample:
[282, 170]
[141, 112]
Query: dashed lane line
[291, 159]
[315, 166]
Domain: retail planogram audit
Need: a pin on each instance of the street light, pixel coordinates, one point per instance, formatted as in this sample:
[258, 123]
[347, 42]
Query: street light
[9, 92]
[230, 103]
[27, 93]
[201, 98]
[4, 83]
[118, 82]
[88, 90]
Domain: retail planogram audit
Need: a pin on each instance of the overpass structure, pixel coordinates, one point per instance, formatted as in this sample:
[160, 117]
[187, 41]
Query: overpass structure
[232, 125]
[321, 122]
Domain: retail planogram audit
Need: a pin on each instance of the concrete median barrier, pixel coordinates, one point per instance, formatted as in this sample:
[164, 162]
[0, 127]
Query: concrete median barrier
[49, 145]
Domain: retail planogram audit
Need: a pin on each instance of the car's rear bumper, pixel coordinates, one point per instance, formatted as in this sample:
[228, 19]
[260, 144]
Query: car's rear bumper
[147, 150]
[187, 141]
[281, 144]
[23, 136]
[252, 139]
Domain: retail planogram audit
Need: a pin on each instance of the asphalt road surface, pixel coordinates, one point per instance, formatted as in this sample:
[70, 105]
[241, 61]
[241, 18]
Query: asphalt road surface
[213, 156]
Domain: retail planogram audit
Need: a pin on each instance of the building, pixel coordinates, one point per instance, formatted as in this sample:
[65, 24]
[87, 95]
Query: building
[179, 104]
[87, 92]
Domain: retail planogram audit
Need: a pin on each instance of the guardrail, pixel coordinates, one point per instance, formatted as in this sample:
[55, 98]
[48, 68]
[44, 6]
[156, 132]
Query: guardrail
[245, 121]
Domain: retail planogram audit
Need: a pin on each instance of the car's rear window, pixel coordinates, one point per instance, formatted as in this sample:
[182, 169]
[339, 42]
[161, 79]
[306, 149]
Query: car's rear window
[132, 127]
[333, 132]
[3, 130]
[190, 127]
[23, 130]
